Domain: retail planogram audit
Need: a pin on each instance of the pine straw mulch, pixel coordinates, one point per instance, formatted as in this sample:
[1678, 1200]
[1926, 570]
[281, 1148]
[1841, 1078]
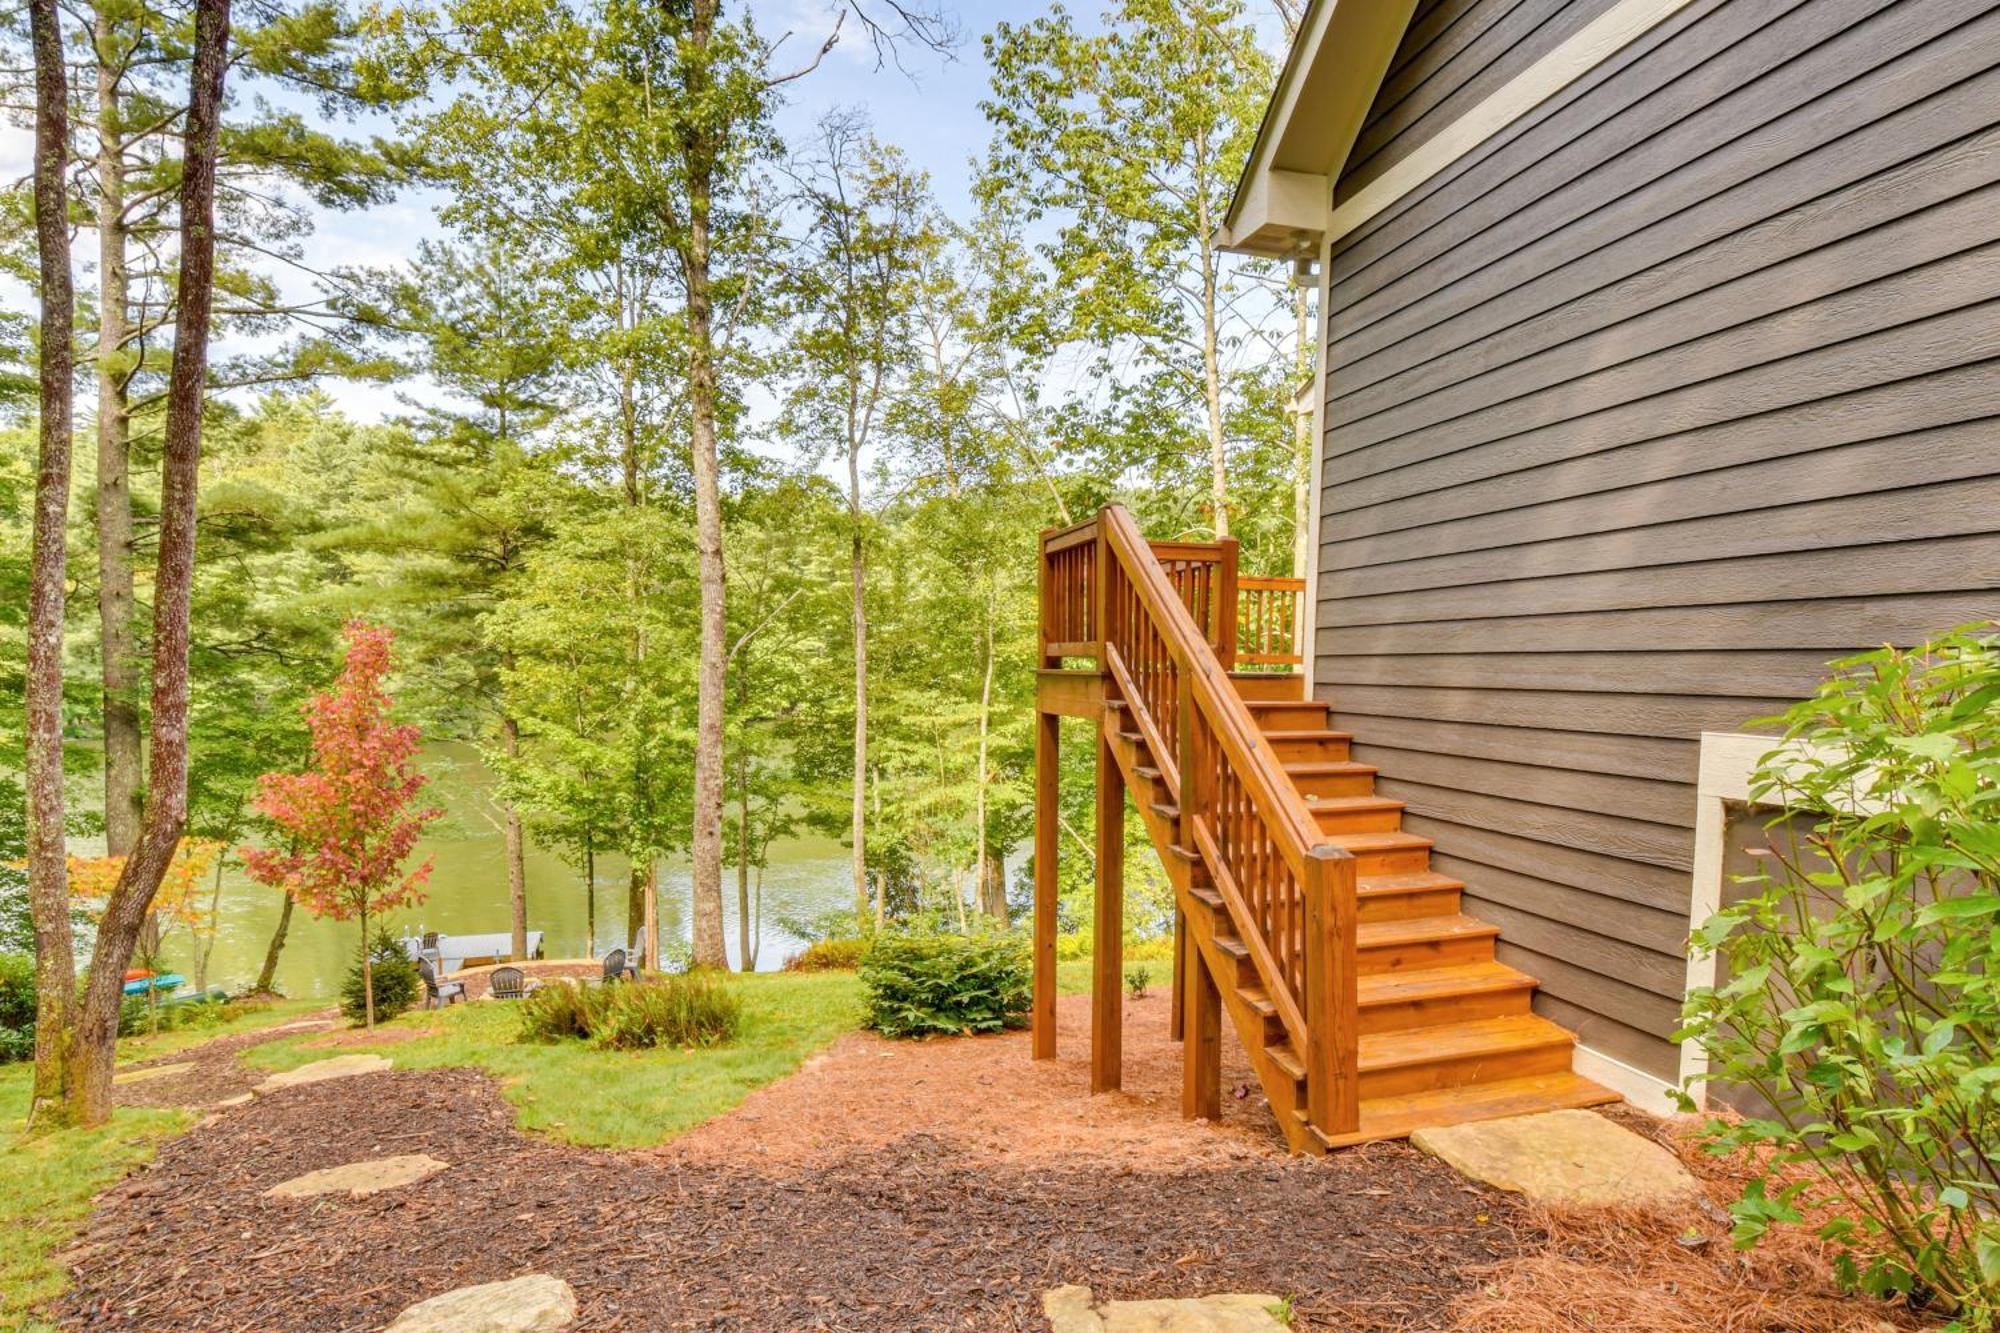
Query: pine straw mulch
[888, 1186]
[1669, 1270]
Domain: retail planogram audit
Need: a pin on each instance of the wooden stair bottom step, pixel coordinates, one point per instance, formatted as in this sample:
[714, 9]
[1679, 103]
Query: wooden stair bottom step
[1397, 1117]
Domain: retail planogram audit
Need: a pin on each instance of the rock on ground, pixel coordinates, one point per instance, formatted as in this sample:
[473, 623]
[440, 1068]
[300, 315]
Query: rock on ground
[1074, 1310]
[341, 1066]
[359, 1179]
[1574, 1157]
[152, 1072]
[536, 1303]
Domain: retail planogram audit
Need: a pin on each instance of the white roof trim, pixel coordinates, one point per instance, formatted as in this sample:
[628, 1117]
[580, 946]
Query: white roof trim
[1328, 83]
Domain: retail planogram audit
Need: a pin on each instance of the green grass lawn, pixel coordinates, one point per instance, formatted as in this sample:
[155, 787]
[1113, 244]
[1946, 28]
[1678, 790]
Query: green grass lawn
[620, 1099]
[48, 1180]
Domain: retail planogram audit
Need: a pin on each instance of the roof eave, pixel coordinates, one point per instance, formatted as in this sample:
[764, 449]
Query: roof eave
[1329, 81]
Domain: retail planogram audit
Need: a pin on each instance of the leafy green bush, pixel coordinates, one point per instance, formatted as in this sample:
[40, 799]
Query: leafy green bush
[17, 1007]
[691, 1009]
[924, 982]
[397, 982]
[1862, 1000]
[830, 955]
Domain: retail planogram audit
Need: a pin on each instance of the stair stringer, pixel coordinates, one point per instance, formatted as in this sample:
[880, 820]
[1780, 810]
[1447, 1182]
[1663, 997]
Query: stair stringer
[1254, 1031]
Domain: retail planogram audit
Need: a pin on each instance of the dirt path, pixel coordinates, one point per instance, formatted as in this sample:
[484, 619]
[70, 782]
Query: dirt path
[887, 1186]
[209, 1073]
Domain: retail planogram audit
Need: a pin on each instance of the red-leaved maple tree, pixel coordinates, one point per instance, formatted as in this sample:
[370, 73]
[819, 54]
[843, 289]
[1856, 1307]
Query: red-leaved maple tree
[350, 819]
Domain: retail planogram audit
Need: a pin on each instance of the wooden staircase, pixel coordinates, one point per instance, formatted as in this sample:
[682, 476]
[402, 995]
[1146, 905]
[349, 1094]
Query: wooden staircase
[1369, 1003]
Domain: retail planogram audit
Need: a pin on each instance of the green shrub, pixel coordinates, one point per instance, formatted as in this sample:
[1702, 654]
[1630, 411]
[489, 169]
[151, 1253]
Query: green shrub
[1862, 1001]
[690, 1009]
[833, 955]
[397, 982]
[1136, 980]
[926, 982]
[17, 1007]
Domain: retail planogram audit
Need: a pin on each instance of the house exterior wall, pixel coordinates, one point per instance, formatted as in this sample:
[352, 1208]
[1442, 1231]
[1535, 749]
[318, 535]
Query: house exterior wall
[1637, 415]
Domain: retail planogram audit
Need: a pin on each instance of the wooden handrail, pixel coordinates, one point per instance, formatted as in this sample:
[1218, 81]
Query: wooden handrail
[1212, 691]
[1288, 891]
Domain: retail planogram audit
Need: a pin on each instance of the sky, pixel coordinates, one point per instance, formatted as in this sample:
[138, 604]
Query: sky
[924, 102]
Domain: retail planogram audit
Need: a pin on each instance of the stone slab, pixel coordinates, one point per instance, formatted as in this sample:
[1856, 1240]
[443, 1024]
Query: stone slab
[1073, 1309]
[536, 1303]
[359, 1179]
[1573, 1157]
[152, 1072]
[340, 1066]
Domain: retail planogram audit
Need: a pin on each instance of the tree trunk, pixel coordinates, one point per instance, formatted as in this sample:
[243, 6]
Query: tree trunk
[204, 942]
[711, 680]
[993, 886]
[858, 575]
[267, 976]
[744, 954]
[589, 899]
[635, 906]
[517, 870]
[984, 777]
[57, 1073]
[118, 651]
[367, 972]
[649, 947]
[173, 582]
[1211, 360]
[1302, 443]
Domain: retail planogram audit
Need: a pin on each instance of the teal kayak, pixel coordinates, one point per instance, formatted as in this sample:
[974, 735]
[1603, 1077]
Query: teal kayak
[165, 981]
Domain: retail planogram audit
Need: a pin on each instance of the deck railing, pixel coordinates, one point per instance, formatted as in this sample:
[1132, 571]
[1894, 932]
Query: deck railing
[1161, 618]
[1267, 621]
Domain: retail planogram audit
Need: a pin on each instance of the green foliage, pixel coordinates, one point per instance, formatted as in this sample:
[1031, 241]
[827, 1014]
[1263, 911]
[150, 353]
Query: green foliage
[1136, 980]
[693, 1009]
[1863, 996]
[928, 982]
[397, 981]
[829, 955]
[17, 1007]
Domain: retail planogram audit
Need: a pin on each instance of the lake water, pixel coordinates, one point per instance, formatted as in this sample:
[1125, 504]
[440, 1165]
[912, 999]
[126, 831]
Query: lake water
[468, 895]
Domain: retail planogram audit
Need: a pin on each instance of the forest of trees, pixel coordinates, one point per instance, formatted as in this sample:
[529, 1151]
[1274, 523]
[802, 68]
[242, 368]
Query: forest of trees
[711, 515]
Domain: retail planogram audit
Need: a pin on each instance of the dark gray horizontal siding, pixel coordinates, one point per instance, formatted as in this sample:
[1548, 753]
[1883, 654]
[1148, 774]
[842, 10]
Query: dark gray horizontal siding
[1432, 83]
[1636, 417]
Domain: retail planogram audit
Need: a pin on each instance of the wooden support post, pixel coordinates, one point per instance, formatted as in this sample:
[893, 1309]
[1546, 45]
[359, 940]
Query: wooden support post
[1048, 739]
[1333, 1039]
[1175, 1028]
[1107, 996]
[1201, 1046]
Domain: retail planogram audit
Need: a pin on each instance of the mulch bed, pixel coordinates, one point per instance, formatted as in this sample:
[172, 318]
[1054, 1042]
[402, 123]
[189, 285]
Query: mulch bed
[888, 1186]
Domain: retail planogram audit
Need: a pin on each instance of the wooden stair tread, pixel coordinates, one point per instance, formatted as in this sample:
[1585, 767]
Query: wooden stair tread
[1387, 841]
[1148, 772]
[1333, 804]
[1308, 734]
[1419, 930]
[1426, 983]
[1328, 768]
[1423, 881]
[1397, 1117]
[1457, 1041]
[1259, 1001]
